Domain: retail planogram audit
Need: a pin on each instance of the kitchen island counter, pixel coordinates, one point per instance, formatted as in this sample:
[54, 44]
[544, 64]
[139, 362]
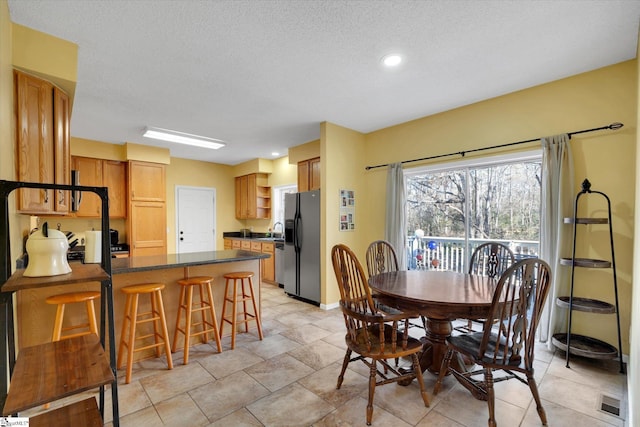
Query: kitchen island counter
[158, 262]
[36, 316]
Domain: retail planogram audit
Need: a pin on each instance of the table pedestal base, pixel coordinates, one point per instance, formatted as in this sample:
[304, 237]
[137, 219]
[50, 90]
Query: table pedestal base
[434, 348]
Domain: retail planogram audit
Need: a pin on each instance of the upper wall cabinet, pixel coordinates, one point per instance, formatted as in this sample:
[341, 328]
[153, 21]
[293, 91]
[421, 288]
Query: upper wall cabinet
[102, 173]
[309, 175]
[147, 181]
[253, 197]
[42, 142]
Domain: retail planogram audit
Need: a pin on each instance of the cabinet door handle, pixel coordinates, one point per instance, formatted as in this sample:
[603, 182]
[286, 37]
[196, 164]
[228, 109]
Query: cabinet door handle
[61, 194]
[46, 196]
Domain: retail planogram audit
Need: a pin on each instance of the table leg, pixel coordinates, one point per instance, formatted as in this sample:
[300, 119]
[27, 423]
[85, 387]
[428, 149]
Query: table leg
[434, 347]
[438, 330]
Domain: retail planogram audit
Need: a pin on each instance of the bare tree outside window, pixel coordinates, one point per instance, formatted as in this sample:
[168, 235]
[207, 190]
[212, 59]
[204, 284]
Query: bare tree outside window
[472, 205]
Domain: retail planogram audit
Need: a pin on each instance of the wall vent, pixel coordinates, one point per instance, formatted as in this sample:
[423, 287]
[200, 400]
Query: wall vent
[610, 405]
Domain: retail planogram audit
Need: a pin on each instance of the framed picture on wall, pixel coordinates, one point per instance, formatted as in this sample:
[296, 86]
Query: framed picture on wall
[347, 213]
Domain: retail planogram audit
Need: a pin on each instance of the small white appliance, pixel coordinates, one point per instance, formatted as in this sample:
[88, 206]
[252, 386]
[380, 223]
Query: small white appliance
[47, 251]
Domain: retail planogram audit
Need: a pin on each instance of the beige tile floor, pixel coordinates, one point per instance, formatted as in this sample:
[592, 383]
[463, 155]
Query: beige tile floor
[289, 379]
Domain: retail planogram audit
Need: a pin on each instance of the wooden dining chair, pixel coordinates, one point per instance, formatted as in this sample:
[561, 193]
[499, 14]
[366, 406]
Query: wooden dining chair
[372, 335]
[516, 306]
[381, 258]
[489, 259]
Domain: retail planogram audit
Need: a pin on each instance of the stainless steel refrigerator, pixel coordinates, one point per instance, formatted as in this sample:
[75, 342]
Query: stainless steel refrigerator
[302, 245]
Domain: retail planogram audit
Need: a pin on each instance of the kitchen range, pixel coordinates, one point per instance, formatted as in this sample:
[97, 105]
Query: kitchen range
[78, 249]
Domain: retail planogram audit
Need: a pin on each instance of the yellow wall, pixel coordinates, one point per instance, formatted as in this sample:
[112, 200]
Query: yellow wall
[7, 129]
[607, 158]
[96, 149]
[49, 57]
[341, 169]
[253, 166]
[283, 173]
[147, 153]
[633, 379]
[303, 152]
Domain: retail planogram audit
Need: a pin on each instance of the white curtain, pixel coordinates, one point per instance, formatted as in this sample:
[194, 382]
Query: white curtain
[395, 227]
[555, 236]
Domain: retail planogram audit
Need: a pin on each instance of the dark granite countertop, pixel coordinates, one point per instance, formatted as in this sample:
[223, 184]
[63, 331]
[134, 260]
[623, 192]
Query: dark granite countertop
[158, 262]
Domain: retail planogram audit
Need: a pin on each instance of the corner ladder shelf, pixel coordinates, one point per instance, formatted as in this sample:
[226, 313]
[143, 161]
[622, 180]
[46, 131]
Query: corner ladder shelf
[53, 370]
[581, 345]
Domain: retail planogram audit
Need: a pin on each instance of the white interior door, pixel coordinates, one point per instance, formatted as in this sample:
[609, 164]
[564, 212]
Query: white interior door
[195, 219]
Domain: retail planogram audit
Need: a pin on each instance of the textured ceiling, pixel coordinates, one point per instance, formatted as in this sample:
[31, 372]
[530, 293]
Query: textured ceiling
[262, 75]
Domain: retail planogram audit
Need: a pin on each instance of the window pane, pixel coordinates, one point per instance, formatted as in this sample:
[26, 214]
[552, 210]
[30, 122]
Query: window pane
[456, 210]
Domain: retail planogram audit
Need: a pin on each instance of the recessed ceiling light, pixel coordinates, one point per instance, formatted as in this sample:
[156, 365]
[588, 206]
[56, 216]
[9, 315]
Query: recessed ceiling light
[275, 153]
[392, 60]
[183, 138]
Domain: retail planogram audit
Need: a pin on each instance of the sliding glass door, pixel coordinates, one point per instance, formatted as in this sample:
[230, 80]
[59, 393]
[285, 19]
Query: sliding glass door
[451, 210]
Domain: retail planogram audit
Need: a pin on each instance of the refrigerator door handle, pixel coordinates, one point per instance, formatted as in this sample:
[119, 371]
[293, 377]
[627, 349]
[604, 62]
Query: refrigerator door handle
[296, 241]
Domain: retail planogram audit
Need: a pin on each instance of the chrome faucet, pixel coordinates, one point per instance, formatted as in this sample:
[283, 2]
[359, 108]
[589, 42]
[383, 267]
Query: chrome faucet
[281, 227]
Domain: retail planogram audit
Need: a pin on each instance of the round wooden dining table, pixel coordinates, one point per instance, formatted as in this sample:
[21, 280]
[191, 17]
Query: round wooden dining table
[440, 296]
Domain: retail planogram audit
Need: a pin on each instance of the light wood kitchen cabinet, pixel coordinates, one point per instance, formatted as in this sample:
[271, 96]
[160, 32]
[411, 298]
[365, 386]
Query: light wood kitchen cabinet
[61, 149]
[228, 244]
[253, 197]
[90, 174]
[114, 177]
[102, 173]
[147, 228]
[269, 264]
[309, 175]
[147, 181]
[147, 222]
[42, 144]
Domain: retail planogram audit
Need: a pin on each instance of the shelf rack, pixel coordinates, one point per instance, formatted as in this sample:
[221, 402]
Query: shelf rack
[31, 374]
[576, 344]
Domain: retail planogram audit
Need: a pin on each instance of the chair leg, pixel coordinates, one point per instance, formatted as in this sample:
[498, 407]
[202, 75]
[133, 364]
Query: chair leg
[491, 396]
[372, 388]
[163, 325]
[420, 379]
[125, 328]
[187, 326]
[57, 325]
[174, 345]
[214, 320]
[444, 368]
[534, 390]
[255, 309]
[91, 314]
[345, 362]
[132, 337]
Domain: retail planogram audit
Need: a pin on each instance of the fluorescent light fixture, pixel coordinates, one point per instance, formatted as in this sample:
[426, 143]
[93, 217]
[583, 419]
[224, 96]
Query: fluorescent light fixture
[275, 153]
[183, 138]
[392, 60]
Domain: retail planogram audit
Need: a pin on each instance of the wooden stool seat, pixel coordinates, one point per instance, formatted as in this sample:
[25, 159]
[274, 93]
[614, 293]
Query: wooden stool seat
[234, 298]
[61, 300]
[206, 309]
[132, 318]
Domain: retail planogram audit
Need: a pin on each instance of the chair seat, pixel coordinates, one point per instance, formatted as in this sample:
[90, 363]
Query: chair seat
[470, 344]
[372, 347]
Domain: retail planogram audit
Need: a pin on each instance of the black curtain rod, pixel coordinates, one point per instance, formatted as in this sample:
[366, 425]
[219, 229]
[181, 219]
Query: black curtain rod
[612, 126]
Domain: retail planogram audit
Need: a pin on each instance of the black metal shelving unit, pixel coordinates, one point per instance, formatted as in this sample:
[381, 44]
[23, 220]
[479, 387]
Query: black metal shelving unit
[576, 344]
[101, 274]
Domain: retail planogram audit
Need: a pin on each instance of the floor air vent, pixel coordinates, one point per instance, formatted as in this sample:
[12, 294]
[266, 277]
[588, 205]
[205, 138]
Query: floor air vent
[610, 405]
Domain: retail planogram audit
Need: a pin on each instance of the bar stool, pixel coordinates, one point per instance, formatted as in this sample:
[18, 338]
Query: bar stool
[132, 318]
[61, 300]
[234, 298]
[186, 305]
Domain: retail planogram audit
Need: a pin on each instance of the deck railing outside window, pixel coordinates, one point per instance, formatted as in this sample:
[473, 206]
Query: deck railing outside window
[444, 253]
